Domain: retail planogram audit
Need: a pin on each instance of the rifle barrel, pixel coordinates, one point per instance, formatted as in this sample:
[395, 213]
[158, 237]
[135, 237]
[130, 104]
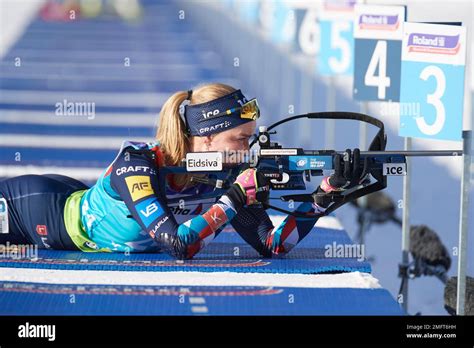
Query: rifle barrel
[412, 153]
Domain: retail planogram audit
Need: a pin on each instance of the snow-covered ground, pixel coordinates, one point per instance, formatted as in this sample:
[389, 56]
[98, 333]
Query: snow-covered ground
[49, 276]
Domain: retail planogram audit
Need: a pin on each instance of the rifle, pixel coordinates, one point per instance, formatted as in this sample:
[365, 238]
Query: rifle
[291, 168]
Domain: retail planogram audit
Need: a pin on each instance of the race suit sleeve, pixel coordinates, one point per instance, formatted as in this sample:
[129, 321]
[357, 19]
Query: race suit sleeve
[254, 226]
[135, 178]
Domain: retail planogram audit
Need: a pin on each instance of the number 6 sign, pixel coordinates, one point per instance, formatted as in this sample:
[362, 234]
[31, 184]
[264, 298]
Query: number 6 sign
[432, 86]
[308, 29]
[378, 33]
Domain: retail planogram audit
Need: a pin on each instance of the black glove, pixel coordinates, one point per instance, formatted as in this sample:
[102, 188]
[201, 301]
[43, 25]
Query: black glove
[347, 172]
[250, 187]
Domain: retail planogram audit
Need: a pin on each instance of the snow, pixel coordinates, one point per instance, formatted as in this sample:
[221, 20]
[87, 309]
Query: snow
[49, 276]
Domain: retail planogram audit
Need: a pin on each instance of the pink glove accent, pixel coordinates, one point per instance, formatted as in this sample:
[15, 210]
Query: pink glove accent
[326, 186]
[247, 180]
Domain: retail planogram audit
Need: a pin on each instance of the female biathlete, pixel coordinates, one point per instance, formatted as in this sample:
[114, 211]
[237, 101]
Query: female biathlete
[127, 209]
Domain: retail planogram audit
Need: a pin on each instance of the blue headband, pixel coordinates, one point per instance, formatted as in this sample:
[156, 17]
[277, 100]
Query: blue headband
[199, 120]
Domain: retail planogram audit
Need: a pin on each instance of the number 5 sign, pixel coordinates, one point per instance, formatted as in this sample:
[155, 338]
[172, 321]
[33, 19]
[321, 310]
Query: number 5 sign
[432, 86]
[337, 40]
[378, 33]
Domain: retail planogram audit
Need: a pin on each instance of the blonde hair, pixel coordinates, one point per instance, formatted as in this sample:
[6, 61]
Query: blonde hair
[171, 133]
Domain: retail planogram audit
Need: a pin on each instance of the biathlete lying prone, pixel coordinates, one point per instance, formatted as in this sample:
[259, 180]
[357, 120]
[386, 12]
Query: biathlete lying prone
[127, 210]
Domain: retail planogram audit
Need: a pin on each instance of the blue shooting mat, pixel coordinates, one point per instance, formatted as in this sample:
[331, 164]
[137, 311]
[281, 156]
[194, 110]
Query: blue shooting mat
[59, 299]
[228, 252]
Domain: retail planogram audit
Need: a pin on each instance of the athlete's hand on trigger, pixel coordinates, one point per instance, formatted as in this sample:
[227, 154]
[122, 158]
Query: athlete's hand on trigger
[250, 187]
[347, 172]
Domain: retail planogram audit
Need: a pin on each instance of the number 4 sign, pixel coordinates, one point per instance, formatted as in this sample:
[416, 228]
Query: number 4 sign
[378, 33]
[432, 86]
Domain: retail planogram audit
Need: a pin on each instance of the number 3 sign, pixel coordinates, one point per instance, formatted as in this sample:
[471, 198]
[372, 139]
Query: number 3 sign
[378, 33]
[433, 60]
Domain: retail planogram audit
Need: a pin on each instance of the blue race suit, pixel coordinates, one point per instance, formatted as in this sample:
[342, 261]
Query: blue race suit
[129, 210]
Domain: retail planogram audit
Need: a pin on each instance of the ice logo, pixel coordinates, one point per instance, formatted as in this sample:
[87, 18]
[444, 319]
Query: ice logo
[241, 102]
[209, 114]
[302, 162]
[437, 44]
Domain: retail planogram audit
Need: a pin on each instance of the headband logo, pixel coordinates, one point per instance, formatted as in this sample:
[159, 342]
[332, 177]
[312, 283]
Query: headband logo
[242, 101]
[218, 126]
[209, 114]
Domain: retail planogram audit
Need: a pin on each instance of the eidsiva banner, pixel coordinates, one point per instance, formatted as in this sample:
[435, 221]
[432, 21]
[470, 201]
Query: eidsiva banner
[337, 40]
[432, 81]
[378, 34]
